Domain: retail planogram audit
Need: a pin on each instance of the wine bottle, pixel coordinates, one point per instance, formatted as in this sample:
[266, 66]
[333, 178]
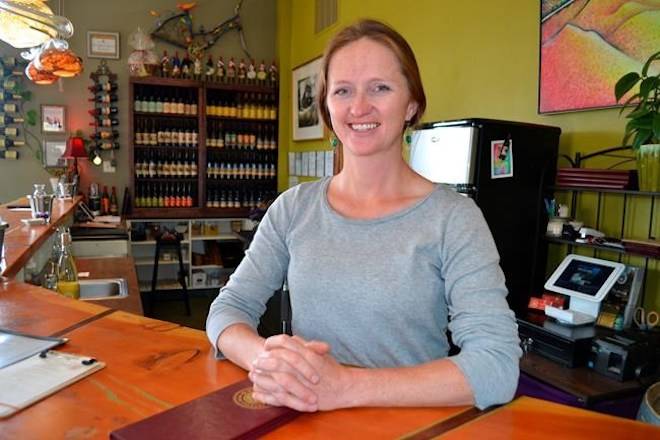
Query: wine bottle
[104, 98]
[10, 107]
[9, 131]
[103, 121]
[105, 202]
[9, 84]
[9, 96]
[114, 205]
[102, 135]
[107, 145]
[103, 111]
[7, 142]
[9, 154]
[105, 87]
[7, 119]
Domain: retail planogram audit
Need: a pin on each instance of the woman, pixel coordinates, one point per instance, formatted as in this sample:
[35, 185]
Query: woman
[377, 259]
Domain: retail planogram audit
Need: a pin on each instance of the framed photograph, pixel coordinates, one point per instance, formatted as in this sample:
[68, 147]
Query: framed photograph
[307, 123]
[103, 44]
[52, 153]
[581, 58]
[53, 119]
[501, 159]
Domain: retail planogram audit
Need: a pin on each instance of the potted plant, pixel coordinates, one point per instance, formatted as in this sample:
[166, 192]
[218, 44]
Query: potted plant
[644, 121]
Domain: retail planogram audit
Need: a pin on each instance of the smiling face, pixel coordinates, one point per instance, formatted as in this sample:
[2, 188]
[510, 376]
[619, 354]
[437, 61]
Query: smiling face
[368, 98]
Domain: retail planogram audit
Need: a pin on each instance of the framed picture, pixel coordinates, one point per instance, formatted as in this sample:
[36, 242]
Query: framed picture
[53, 119]
[103, 44]
[307, 122]
[501, 159]
[52, 153]
[585, 49]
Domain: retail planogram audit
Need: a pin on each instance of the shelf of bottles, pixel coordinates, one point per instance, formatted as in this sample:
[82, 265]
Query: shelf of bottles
[241, 148]
[105, 110]
[165, 146]
[11, 96]
[231, 72]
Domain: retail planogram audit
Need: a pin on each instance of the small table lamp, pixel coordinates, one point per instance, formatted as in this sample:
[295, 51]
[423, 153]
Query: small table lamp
[75, 148]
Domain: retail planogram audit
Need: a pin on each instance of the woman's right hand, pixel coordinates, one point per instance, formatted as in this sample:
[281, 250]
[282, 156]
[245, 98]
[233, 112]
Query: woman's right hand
[282, 371]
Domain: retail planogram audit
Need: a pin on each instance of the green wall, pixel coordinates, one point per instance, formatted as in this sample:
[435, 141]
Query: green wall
[124, 16]
[477, 59]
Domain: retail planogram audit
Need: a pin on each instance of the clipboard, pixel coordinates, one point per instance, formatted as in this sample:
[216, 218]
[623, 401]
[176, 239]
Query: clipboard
[16, 346]
[30, 380]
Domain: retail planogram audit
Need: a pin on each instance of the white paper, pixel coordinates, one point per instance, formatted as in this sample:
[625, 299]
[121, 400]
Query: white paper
[305, 164]
[329, 162]
[25, 382]
[298, 167]
[320, 163]
[292, 164]
[311, 163]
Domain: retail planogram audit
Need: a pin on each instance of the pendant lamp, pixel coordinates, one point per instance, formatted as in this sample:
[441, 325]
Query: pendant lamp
[29, 23]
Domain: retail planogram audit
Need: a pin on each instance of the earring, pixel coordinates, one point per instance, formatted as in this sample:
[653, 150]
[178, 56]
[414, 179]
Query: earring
[407, 134]
[334, 142]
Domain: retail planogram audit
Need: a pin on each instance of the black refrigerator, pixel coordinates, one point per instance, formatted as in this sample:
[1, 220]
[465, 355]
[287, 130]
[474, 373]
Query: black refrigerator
[506, 167]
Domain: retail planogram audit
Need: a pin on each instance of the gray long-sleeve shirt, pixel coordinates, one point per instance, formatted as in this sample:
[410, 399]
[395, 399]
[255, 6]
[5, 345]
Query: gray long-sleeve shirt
[381, 291]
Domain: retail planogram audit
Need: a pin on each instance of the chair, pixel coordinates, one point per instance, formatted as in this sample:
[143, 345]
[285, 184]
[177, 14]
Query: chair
[169, 240]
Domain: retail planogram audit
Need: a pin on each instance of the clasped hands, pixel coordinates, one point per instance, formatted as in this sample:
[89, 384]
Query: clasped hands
[299, 374]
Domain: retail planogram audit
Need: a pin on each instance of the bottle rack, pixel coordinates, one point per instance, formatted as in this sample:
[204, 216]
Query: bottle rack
[201, 149]
[105, 111]
[10, 108]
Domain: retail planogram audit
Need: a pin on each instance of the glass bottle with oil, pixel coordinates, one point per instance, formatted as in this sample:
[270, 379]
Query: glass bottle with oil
[67, 273]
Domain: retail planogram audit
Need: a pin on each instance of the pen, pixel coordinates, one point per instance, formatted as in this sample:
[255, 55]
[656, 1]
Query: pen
[285, 310]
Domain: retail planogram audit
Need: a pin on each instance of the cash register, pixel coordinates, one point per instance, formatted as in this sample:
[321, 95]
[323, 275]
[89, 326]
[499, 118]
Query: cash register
[566, 335]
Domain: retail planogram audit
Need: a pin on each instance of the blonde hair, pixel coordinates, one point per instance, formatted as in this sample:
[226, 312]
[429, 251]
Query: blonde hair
[380, 33]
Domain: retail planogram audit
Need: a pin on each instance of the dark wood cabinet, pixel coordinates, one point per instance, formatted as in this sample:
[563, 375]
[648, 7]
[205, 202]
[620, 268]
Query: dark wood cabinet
[200, 149]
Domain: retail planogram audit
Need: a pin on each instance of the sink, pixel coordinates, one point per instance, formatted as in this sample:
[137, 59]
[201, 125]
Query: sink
[111, 288]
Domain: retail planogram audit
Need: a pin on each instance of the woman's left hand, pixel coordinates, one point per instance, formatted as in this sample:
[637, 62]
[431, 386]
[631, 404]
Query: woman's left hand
[277, 384]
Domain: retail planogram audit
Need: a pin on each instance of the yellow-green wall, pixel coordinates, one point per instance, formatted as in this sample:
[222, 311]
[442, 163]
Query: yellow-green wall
[477, 59]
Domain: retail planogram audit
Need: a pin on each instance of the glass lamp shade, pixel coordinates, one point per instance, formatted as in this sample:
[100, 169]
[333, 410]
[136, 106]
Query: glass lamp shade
[39, 76]
[75, 147]
[29, 23]
[59, 60]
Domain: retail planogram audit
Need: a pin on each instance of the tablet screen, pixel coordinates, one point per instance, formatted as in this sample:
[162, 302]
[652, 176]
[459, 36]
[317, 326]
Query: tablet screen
[584, 277]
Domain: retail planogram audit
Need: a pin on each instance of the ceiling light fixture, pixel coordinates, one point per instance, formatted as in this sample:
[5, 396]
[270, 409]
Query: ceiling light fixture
[29, 23]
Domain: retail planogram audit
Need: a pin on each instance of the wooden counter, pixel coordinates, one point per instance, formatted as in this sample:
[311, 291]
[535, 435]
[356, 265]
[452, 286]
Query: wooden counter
[527, 417]
[32, 309]
[153, 365]
[22, 241]
[114, 267]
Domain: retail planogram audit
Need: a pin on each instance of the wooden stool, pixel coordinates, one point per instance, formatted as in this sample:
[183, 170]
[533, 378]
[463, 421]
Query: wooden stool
[169, 240]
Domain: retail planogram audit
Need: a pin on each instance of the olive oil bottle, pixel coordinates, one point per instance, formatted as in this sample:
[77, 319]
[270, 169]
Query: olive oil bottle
[67, 273]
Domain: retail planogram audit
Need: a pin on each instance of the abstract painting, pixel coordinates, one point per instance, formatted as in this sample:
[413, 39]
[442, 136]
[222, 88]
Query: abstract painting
[587, 45]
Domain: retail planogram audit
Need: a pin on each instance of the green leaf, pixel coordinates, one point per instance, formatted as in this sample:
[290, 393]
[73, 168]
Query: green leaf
[26, 95]
[642, 137]
[647, 86]
[652, 58]
[624, 84]
[639, 112]
[642, 122]
[656, 126]
[625, 104]
[31, 117]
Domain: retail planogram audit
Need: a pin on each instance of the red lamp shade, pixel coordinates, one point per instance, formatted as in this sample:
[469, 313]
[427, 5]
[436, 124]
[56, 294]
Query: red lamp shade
[75, 148]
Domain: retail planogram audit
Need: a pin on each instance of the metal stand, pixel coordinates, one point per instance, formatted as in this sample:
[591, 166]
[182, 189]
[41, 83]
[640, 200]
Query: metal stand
[170, 241]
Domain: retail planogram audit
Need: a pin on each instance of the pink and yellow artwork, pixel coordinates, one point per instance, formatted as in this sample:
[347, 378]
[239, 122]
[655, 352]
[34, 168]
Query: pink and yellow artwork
[587, 45]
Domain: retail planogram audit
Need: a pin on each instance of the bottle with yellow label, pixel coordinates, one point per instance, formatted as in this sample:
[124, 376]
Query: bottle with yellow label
[67, 273]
